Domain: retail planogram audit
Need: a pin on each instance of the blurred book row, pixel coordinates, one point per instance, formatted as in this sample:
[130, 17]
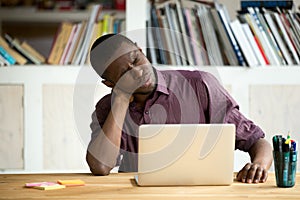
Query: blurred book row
[64, 4]
[190, 32]
[70, 45]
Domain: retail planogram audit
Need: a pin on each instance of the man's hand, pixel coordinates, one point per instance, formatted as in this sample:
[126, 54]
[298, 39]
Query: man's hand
[252, 173]
[261, 158]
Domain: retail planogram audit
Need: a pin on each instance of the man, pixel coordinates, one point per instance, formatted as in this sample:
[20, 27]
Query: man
[143, 95]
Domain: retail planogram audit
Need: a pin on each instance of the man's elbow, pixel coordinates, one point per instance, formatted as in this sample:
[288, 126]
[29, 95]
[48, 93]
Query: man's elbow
[100, 170]
[96, 167]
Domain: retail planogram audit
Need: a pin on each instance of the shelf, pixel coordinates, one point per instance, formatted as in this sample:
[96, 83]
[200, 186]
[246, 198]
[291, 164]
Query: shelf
[31, 14]
[231, 75]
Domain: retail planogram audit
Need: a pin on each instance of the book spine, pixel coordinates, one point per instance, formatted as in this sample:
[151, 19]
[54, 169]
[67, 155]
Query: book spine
[15, 44]
[287, 4]
[7, 56]
[170, 20]
[234, 44]
[287, 38]
[243, 42]
[157, 37]
[275, 31]
[264, 39]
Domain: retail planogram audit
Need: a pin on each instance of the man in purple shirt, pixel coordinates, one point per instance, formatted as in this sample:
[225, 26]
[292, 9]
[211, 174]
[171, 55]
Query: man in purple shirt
[143, 95]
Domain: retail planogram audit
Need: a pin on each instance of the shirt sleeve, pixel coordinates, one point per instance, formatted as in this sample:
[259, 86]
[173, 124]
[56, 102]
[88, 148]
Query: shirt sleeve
[224, 109]
[247, 133]
[99, 116]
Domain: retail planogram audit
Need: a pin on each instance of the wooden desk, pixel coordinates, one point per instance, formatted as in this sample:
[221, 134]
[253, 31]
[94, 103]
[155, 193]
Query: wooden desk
[123, 186]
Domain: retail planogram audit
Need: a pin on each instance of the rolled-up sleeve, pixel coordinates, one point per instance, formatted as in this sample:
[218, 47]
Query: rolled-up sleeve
[247, 133]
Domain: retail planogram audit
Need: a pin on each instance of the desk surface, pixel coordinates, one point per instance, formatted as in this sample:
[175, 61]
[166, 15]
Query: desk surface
[123, 186]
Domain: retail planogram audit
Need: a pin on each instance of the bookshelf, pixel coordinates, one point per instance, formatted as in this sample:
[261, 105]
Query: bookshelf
[41, 99]
[32, 15]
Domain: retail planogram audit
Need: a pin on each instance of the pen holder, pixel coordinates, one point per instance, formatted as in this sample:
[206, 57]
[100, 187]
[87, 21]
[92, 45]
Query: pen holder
[285, 164]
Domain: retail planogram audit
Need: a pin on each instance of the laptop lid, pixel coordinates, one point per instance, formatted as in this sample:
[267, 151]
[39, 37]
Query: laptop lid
[186, 154]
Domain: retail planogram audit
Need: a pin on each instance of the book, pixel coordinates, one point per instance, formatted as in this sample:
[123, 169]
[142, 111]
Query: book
[270, 20]
[25, 45]
[183, 30]
[242, 40]
[14, 43]
[178, 34]
[83, 52]
[270, 37]
[94, 36]
[245, 18]
[68, 45]
[59, 42]
[224, 39]
[290, 30]
[209, 33]
[79, 43]
[169, 44]
[19, 58]
[197, 48]
[262, 36]
[194, 28]
[224, 16]
[160, 53]
[286, 38]
[287, 4]
[253, 44]
[73, 44]
[3, 61]
[150, 44]
[6, 56]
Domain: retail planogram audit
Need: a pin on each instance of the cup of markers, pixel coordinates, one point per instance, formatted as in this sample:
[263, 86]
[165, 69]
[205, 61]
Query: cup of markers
[285, 160]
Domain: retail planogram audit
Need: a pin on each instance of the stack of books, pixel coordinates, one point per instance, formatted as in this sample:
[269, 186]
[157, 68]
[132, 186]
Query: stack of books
[70, 45]
[73, 40]
[190, 32]
[13, 52]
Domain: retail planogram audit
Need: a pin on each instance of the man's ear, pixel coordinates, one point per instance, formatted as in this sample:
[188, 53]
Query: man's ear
[108, 83]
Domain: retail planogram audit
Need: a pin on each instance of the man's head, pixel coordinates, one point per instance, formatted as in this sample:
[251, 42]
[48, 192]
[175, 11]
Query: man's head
[121, 63]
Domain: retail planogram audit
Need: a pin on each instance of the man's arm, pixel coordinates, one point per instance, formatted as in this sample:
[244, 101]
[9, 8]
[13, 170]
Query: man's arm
[261, 160]
[103, 151]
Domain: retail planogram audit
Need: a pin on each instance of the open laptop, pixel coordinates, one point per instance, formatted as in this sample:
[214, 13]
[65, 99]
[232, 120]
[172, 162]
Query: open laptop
[185, 154]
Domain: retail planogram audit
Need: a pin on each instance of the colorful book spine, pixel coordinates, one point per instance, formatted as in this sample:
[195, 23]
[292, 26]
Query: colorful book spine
[221, 10]
[287, 4]
[7, 56]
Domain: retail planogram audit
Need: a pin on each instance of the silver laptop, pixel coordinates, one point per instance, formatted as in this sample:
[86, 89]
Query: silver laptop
[186, 154]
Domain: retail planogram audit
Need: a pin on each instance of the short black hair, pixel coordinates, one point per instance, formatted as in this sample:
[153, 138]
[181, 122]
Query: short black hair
[103, 49]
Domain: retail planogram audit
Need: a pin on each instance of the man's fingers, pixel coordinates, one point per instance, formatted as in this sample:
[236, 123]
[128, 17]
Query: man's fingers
[242, 175]
[252, 173]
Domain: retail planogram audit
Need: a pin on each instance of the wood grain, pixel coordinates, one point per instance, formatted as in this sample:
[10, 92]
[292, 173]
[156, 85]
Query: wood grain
[11, 127]
[123, 186]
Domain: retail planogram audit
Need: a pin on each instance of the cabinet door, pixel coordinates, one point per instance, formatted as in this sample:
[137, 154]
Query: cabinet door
[11, 127]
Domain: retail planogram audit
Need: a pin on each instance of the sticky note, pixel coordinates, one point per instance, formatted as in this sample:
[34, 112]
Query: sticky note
[76, 182]
[39, 184]
[50, 187]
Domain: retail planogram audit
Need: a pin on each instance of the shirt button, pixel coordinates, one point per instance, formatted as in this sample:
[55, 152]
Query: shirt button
[147, 112]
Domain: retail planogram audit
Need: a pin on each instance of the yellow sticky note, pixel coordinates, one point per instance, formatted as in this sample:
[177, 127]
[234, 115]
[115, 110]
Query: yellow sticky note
[76, 182]
[50, 187]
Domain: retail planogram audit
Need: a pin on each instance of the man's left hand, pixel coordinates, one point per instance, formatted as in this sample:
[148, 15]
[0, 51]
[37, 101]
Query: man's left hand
[252, 173]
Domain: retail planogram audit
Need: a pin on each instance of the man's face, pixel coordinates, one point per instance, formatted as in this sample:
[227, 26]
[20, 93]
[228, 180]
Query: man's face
[131, 72]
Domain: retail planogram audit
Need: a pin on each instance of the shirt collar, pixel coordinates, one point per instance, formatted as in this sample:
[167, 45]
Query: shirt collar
[161, 83]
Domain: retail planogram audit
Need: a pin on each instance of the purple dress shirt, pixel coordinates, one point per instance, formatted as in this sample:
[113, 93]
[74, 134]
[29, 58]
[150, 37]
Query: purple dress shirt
[181, 97]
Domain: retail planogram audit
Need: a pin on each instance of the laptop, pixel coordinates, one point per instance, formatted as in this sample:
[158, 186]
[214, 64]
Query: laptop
[185, 154]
